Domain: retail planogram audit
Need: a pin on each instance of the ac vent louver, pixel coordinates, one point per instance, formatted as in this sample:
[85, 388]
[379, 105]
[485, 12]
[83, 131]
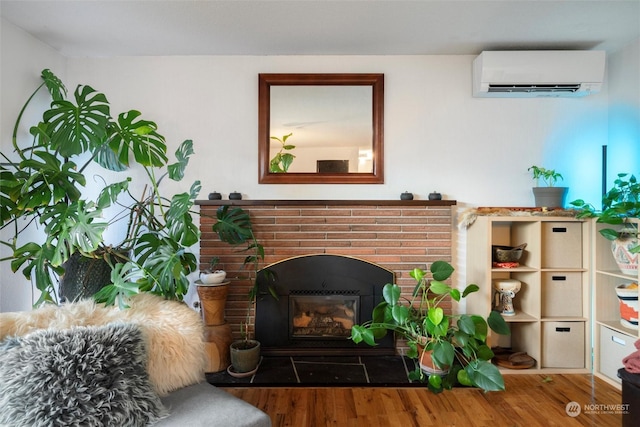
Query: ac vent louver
[534, 88]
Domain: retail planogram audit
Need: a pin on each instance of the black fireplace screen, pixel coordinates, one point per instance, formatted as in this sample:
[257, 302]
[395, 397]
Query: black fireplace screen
[320, 297]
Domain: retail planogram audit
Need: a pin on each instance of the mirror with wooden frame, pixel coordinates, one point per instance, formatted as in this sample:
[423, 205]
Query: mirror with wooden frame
[321, 128]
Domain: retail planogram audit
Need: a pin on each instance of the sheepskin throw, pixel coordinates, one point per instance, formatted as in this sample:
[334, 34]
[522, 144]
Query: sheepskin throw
[84, 376]
[174, 333]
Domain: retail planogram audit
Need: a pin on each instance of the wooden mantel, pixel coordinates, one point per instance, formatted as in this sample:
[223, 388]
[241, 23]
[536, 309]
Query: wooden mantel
[326, 202]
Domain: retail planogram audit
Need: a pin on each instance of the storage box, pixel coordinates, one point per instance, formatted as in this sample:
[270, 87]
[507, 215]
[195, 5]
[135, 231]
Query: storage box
[561, 294]
[563, 345]
[614, 347]
[561, 245]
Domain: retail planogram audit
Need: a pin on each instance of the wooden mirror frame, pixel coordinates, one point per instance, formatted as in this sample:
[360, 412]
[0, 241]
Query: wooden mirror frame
[265, 81]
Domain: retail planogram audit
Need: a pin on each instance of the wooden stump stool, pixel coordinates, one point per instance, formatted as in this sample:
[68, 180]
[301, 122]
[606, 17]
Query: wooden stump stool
[217, 332]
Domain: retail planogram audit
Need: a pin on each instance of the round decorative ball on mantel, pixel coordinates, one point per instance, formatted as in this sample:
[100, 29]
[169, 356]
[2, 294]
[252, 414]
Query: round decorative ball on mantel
[235, 196]
[435, 196]
[406, 196]
[215, 196]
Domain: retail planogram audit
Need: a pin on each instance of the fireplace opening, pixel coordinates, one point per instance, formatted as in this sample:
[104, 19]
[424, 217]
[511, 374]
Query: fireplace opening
[320, 316]
[320, 298]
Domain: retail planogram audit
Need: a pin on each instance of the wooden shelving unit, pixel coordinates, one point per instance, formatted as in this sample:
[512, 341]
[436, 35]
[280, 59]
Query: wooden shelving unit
[612, 341]
[552, 320]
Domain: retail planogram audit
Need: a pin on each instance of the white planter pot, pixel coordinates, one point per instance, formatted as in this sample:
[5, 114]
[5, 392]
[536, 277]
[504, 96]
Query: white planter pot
[214, 278]
[627, 261]
[550, 197]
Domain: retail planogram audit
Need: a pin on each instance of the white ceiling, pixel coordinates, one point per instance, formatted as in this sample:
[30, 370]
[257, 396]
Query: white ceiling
[98, 28]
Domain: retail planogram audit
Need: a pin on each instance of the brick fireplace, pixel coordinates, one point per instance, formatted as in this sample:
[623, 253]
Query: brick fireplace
[398, 235]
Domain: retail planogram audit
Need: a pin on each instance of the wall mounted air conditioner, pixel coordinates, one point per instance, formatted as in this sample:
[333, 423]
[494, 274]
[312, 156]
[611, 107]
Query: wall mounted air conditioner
[540, 73]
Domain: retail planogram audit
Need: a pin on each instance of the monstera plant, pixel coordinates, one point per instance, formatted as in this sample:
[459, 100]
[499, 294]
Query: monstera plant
[43, 184]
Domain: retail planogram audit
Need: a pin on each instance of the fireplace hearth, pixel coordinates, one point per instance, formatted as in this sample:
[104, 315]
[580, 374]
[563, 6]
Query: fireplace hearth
[320, 297]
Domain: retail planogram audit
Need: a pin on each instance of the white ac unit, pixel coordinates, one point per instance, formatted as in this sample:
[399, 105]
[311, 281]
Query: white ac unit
[540, 73]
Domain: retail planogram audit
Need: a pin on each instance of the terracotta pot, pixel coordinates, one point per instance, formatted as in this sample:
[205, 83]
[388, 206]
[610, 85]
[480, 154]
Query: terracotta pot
[428, 366]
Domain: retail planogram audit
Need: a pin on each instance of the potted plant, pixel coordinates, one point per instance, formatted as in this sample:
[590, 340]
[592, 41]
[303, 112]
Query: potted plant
[548, 195]
[619, 204]
[43, 185]
[281, 161]
[234, 226]
[456, 343]
[213, 275]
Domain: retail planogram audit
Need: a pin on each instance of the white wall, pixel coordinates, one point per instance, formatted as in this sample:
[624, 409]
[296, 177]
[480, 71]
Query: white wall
[22, 60]
[624, 112]
[437, 137]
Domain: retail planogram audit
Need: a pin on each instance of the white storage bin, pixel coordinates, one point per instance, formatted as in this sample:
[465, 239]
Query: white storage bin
[614, 347]
[561, 294]
[563, 345]
[561, 245]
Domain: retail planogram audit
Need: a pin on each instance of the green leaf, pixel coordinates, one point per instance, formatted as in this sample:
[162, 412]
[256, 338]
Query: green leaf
[439, 330]
[54, 85]
[463, 378]
[123, 285]
[497, 323]
[139, 138]
[233, 225]
[179, 221]
[467, 325]
[461, 338]
[360, 333]
[108, 159]
[485, 375]
[417, 273]
[110, 193]
[75, 129]
[439, 288]
[470, 289]
[609, 233]
[378, 315]
[286, 159]
[76, 227]
[391, 293]
[435, 315]
[441, 270]
[485, 352]
[176, 170]
[481, 328]
[455, 294]
[443, 354]
[400, 314]
[435, 381]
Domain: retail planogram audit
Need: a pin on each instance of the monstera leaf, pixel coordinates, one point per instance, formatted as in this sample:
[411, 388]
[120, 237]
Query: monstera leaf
[78, 128]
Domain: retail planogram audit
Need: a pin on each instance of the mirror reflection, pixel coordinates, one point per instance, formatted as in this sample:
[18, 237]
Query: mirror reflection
[321, 128]
[332, 133]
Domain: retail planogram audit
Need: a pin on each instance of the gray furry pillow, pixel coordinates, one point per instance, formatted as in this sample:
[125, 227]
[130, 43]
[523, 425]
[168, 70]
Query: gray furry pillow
[84, 376]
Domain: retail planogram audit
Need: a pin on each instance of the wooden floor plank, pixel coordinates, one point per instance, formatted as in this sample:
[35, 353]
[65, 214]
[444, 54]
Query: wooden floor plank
[530, 401]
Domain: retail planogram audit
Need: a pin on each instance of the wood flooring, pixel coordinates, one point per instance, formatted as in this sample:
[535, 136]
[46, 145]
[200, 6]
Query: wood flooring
[530, 401]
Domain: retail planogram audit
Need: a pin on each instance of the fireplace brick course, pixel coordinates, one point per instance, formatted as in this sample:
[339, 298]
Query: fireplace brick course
[398, 235]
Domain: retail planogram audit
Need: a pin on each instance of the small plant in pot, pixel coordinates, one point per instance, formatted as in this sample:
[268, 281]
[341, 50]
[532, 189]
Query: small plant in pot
[213, 275]
[234, 226]
[456, 344]
[620, 204]
[547, 195]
